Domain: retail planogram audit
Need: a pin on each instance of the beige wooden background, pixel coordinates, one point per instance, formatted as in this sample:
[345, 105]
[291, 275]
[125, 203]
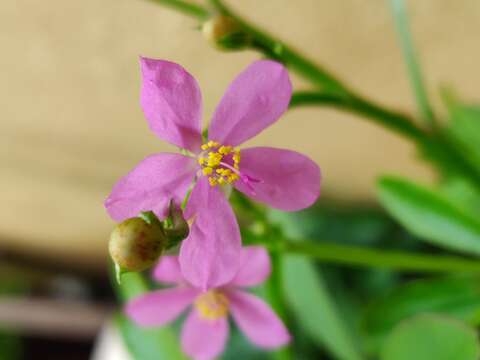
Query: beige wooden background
[70, 123]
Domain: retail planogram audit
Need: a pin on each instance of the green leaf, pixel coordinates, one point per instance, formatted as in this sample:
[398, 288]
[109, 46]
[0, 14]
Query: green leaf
[458, 297]
[430, 215]
[464, 130]
[428, 337]
[315, 310]
[463, 194]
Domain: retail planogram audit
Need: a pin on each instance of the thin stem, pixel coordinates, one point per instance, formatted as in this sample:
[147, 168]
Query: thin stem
[395, 121]
[368, 257]
[276, 298]
[279, 50]
[402, 25]
[186, 7]
[433, 144]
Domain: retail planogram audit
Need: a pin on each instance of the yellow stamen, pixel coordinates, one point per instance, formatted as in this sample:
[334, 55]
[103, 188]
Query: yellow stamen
[212, 305]
[207, 170]
[225, 150]
[217, 164]
[212, 181]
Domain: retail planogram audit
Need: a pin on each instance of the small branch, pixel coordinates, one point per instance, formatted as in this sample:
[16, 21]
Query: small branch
[277, 49]
[402, 25]
[368, 257]
[395, 121]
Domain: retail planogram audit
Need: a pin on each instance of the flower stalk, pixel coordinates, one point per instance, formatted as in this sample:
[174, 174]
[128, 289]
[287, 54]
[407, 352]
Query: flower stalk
[367, 257]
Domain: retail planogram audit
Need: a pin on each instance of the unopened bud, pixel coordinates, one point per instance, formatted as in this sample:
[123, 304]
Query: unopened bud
[175, 227]
[136, 245]
[225, 33]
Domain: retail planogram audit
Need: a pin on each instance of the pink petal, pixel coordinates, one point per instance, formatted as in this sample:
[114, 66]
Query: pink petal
[210, 255]
[283, 179]
[204, 339]
[168, 271]
[257, 320]
[150, 186]
[254, 267]
[172, 103]
[255, 100]
[161, 306]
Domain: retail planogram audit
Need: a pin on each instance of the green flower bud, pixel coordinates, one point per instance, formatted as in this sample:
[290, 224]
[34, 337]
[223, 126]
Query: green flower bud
[225, 33]
[175, 226]
[136, 245]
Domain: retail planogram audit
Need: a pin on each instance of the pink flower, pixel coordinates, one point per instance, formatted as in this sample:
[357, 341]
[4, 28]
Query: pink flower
[206, 329]
[172, 104]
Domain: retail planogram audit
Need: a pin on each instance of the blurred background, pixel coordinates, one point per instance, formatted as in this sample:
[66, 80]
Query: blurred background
[71, 125]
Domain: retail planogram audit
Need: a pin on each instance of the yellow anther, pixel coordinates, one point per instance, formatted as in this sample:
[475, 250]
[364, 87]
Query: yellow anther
[212, 144]
[207, 170]
[212, 305]
[225, 150]
[236, 157]
[215, 164]
[212, 181]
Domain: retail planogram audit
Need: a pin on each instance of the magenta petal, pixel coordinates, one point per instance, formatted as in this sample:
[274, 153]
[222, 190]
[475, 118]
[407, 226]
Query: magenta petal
[254, 267]
[172, 103]
[255, 100]
[150, 186]
[257, 320]
[283, 179]
[204, 339]
[168, 271]
[210, 255]
[161, 306]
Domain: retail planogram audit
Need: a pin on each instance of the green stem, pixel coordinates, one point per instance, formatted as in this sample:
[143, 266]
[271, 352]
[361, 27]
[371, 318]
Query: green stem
[368, 257]
[276, 298]
[277, 49]
[433, 143]
[186, 7]
[401, 23]
[395, 121]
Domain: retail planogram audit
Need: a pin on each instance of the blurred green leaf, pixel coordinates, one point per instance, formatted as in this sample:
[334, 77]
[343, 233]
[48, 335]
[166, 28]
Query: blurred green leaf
[463, 194]
[430, 215]
[402, 25]
[432, 337]
[315, 310]
[145, 344]
[464, 130]
[458, 297]
[238, 348]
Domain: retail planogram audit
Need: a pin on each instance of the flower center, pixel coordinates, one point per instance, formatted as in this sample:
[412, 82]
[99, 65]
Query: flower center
[212, 305]
[219, 163]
